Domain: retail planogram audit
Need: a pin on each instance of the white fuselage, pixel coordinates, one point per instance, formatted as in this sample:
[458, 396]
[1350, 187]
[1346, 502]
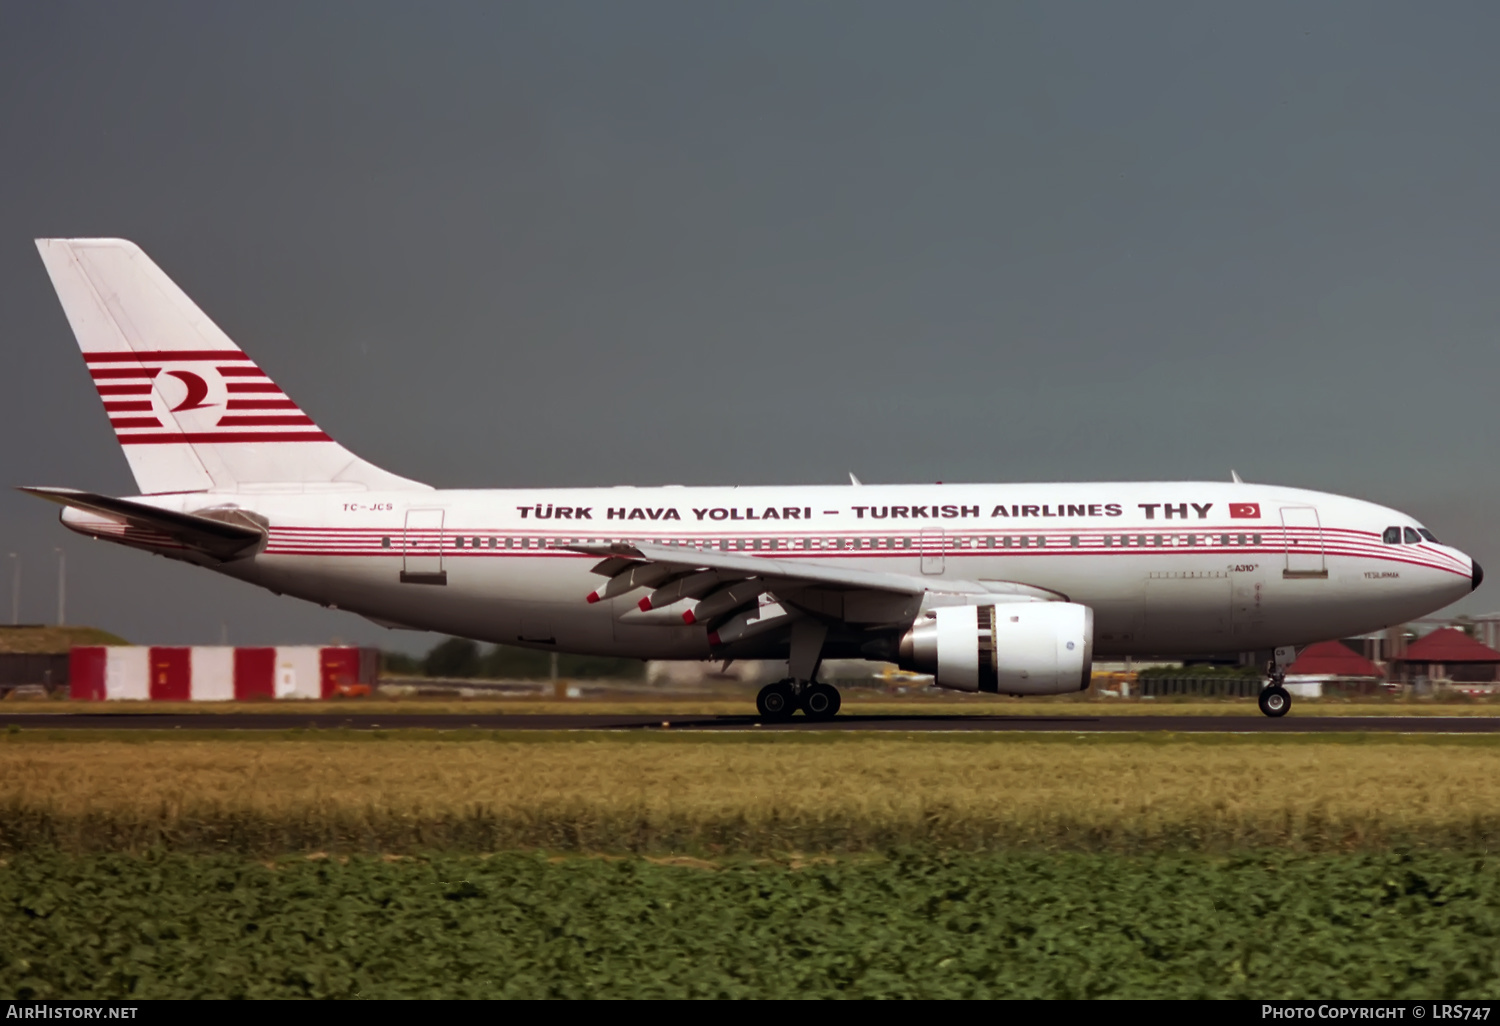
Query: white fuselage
[1168, 568]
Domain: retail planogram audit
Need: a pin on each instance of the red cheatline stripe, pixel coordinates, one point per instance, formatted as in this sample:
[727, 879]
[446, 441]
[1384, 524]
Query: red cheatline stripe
[128, 406]
[245, 386]
[166, 356]
[270, 420]
[217, 437]
[241, 372]
[98, 373]
[133, 422]
[261, 404]
[125, 389]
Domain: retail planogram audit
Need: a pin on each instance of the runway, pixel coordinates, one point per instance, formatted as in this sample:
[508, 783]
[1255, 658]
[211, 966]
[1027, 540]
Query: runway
[1065, 724]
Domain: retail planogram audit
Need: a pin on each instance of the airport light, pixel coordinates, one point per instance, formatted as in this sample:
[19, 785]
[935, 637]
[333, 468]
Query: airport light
[62, 585]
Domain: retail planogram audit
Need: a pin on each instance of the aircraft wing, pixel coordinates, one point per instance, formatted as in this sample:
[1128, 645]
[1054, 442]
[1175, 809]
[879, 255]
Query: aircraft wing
[222, 534]
[706, 586]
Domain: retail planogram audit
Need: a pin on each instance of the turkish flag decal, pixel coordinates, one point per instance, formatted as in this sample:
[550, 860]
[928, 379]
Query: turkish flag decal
[1244, 510]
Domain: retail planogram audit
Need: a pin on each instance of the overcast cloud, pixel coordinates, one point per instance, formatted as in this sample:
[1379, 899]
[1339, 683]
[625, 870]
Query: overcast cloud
[594, 243]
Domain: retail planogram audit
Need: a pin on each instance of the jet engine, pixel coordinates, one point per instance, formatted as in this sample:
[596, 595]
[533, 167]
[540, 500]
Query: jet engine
[1020, 648]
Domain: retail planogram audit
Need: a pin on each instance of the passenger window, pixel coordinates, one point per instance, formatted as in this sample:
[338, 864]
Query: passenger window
[1074, 541]
[1041, 542]
[1008, 541]
[385, 543]
[1392, 536]
[1412, 537]
[1428, 535]
[458, 542]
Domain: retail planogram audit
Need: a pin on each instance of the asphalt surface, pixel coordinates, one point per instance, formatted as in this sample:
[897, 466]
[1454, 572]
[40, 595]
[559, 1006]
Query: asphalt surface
[1291, 724]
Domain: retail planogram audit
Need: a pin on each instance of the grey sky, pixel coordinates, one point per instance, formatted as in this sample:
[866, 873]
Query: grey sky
[561, 243]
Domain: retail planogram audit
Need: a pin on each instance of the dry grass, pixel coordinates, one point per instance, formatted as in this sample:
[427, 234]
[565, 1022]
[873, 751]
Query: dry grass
[724, 795]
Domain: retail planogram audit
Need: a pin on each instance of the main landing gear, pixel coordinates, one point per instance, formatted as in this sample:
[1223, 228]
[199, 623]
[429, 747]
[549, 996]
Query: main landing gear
[778, 702]
[1275, 699]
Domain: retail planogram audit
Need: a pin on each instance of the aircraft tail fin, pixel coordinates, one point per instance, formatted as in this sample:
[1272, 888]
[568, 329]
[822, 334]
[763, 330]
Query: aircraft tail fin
[190, 409]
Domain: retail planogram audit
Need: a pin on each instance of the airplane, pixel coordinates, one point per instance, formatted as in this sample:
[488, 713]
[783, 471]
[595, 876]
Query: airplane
[1010, 589]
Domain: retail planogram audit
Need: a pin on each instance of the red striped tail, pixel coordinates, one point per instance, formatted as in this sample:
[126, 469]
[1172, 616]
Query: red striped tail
[209, 397]
[193, 412]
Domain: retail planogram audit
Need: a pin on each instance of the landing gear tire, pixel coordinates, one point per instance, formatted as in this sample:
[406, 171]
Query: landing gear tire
[820, 701]
[1275, 700]
[776, 702]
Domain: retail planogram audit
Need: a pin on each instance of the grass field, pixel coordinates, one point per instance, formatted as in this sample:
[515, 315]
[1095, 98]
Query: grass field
[757, 794]
[908, 925]
[806, 864]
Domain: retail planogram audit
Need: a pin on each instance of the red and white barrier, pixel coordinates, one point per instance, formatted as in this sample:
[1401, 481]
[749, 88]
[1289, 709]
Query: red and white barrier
[217, 673]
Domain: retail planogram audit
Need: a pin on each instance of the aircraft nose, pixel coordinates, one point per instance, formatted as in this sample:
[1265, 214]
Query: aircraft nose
[1477, 575]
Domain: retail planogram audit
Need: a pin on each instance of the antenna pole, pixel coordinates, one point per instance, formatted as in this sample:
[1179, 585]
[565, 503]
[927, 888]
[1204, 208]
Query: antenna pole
[62, 586]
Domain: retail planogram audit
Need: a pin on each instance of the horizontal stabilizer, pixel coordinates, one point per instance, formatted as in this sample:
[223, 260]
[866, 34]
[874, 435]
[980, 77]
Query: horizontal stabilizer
[225, 534]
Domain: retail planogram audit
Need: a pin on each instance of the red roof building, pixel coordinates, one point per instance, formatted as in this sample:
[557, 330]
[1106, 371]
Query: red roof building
[1332, 659]
[1450, 654]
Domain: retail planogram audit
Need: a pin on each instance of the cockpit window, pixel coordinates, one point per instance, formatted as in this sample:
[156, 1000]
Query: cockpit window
[1428, 535]
[1392, 536]
[1412, 537]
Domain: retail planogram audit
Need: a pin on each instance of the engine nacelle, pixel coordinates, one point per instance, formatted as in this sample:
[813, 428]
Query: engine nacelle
[1020, 648]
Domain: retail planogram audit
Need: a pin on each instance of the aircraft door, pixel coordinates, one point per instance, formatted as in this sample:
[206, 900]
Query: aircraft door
[422, 548]
[1302, 539]
[933, 545]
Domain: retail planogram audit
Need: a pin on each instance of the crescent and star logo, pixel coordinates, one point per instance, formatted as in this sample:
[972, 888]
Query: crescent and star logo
[1244, 510]
[153, 399]
[197, 391]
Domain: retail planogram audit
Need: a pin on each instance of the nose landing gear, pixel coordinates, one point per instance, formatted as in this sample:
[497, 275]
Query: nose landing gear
[1274, 698]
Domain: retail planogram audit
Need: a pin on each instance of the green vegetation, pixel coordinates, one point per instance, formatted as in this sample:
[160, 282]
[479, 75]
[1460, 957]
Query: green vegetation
[1200, 670]
[462, 658]
[37, 640]
[663, 864]
[909, 925]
